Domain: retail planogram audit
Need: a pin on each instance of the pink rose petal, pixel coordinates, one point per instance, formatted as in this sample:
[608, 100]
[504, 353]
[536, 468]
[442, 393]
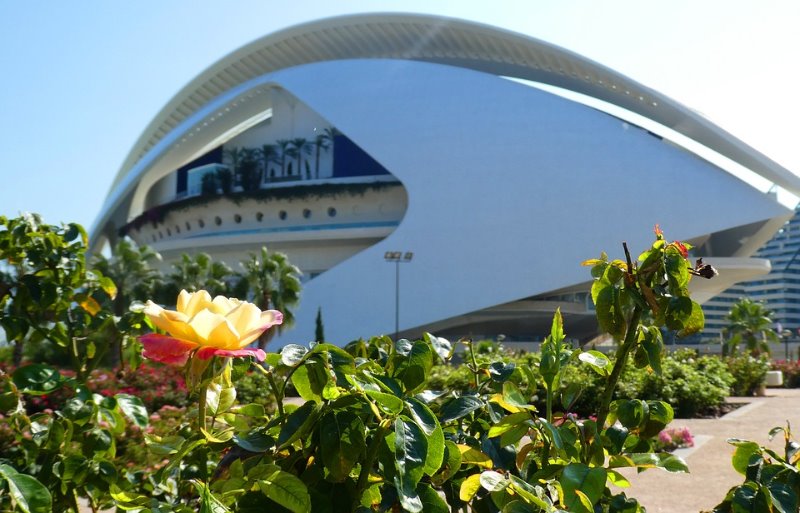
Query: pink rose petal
[165, 349]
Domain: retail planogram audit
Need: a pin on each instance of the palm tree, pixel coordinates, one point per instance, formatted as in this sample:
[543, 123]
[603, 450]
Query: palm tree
[321, 142]
[235, 156]
[750, 322]
[272, 282]
[301, 146]
[268, 154]
[285, 145]
[200, 272]
[248, 173]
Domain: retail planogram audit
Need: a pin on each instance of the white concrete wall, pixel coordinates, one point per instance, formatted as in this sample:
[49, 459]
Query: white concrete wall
[510, 188]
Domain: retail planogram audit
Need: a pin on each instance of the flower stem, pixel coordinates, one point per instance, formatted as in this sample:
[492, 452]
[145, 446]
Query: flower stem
[366, 467]
[201, 407]
[622, 356]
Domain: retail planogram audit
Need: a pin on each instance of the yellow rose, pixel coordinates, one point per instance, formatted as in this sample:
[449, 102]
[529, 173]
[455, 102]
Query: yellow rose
[219, 327]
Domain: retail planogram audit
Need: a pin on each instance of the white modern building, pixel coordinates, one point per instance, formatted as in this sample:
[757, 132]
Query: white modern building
[467, 145]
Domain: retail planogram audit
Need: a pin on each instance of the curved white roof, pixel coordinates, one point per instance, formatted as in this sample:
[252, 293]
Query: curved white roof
[446, 41]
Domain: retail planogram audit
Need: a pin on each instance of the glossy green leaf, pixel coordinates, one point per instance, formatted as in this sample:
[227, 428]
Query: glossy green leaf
[441, 346]
[410, 449]
[133, 408]
[28, 493]
[451, 463]
[287, 490]
[660, 414]
[750, 498]
[493, 481]
[254, 442]
[432, 502]
[500, 372]
[783, 497]
[292, 354]
[342, 442]
[653, 345]
[299, 423]
[663, 460]
[597, 361]
[529, 493]
[460, 407]
[742, 454]
[37, 379]
[389, 403]
[413, 369]
[310, 379]
[426, 420]
[632, 413]
[579, 477]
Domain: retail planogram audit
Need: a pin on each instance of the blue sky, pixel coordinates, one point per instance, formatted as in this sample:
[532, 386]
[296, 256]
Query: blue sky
[82, 79]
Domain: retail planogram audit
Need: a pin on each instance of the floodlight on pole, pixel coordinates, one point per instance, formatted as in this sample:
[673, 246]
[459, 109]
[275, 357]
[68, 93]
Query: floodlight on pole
[397, 257]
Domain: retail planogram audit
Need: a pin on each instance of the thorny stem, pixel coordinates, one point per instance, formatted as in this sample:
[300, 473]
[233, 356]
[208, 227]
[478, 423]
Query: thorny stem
[366, 467]
[201, 407]
[474, 363]
[622, 356]
[278, 393]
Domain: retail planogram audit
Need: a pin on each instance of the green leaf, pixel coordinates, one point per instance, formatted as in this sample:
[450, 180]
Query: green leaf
[529, 493]
[254, 441]
[632, 413]
[500, 372]
[28, 493]
[310, 379]
[133, 408]
[387, 402]
[451, 463]
[220, 397]
[662, 460]
[653, 346]
[287, 490]
[460, 407]
[410, 449]
[660, 414]
[597, 360]
[750, 498]
[299, 423]
[342, 442]
[413, 369]
[509, 422]
[37, 379]
[493, 481]
[425, 419]
[677, 271]
[783, 497]
[292, 354]
[431, 501]
[440, 345]
[579, 477]
[742, 454]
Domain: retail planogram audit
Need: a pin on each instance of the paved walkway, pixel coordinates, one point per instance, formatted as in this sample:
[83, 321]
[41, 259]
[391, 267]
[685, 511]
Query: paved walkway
[711, 474]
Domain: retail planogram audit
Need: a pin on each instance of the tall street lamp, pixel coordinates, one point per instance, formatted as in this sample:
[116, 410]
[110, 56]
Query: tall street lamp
[397, 257]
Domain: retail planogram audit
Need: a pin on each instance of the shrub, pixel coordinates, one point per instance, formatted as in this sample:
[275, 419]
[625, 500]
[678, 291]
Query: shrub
[674, 438]
[692, 385]
[791, 372]
[748, 373]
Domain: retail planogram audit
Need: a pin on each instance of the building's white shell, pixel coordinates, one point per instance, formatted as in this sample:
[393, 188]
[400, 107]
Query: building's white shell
[508, 187]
